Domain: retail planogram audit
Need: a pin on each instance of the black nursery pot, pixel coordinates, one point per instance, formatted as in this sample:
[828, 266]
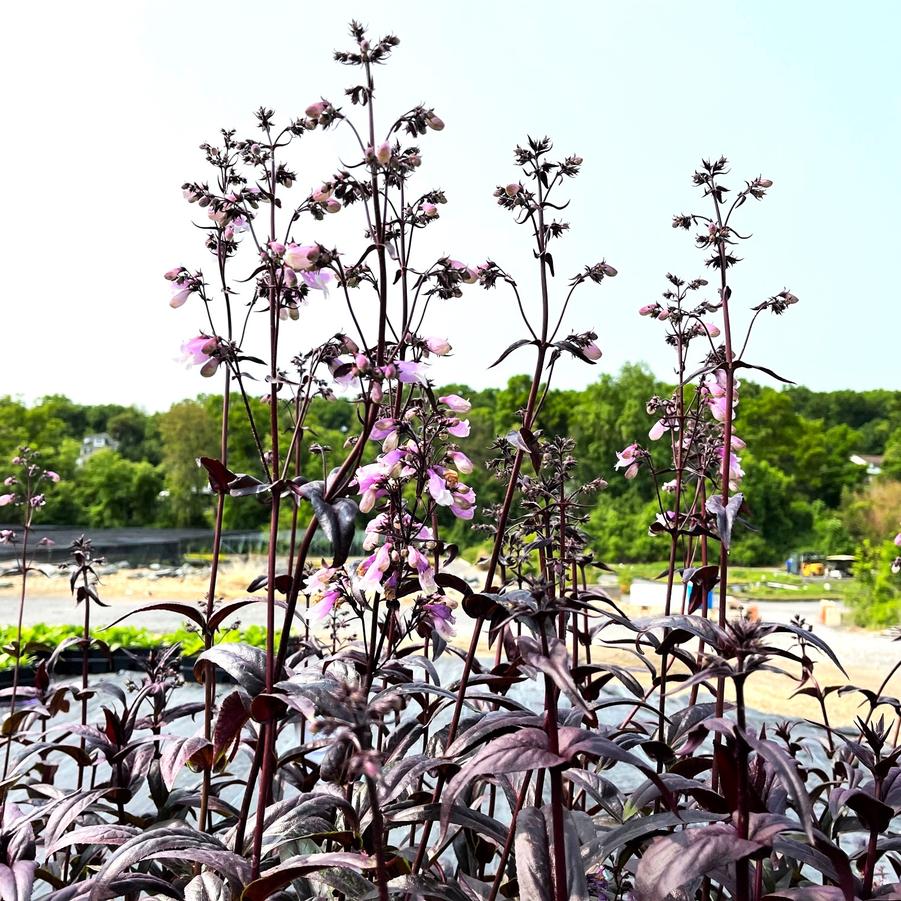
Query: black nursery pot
[70, 663]
[130, 658]
[26, 676]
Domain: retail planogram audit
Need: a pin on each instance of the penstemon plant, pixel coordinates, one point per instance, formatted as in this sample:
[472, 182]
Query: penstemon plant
[404, 733]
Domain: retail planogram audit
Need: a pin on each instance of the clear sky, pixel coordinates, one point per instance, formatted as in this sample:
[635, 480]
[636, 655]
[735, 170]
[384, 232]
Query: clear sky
[105, 104]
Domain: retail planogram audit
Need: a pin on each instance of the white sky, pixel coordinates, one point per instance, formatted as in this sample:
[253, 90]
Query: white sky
[105, 104]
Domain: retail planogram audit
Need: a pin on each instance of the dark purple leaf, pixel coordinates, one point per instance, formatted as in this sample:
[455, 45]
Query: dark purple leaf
[675, 861]
[725, 515]
[179, 752]
[244, 663]
[305, 864]
[522, 342]
[220, 477]
[513, 753]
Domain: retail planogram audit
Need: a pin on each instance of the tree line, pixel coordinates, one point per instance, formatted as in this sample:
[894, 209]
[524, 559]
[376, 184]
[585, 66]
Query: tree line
[803, 490]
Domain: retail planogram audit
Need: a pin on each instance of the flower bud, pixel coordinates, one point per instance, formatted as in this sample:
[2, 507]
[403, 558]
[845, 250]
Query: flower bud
[434, 122]
[429, 210]
[332, 205]
[322, 194]
[513, 189]
[647, 310]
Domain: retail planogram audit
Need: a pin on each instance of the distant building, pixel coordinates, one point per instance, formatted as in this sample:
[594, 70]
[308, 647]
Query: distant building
[90, 444]
[873, 462]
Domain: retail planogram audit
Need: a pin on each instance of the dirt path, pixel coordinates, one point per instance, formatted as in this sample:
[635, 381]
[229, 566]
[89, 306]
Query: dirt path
[867, 656]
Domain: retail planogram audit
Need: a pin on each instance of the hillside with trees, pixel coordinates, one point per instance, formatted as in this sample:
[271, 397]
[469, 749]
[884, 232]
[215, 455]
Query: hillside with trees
[802, 488]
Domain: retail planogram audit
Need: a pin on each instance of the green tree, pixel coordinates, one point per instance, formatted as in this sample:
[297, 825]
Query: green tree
[188, 431]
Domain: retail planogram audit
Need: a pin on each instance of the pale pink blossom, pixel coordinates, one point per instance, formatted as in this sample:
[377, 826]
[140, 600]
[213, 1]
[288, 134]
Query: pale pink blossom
[461, 461]
[464, 505]
[429, 210]
[438, 489]
[442, 618]
[658, 430]
[628, 460]
[7, 499]
[459, 428]
[410, 373]
[50, 474]
[712, 329]
[456, 403]
[592, 351]
[301, 257]
[198, 352]
[424, 570]
[315, 110]
[181, 291]
[383, 153]
[372, 570]
[438, 346]
[647, 310]
[318, 280]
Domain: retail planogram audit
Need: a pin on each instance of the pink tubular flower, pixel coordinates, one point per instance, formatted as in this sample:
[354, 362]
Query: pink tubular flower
[438, 346]
[173, 274]
[409, 372]
[383, 428]
[198, 352]
[38, 500]
[464, 505]
[323, 607]
[658, 430]
[898, 539]
[436, 123]
[7, 536]
[438, 489]
[456, 403]
[628, 459]
[647, 310]
[442, 618]
[50, 474]
[315, 110]
[318, 281]
[712, 329]
[592, 351]
[461, 461]
[459, 428]
[383, 153]
[322, 194]
[372, 570]
[7, 499]
[512, 189]
[429, 210]
[181, 291]
[424, 571]
[301, 257]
